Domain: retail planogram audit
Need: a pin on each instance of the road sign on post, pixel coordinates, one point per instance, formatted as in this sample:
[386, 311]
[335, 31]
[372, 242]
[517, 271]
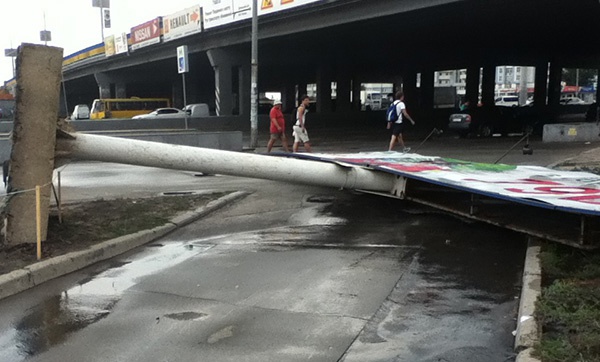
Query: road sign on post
[106, 18]
[45, 36]
[182, 59]
[183, 67]
[101, 3]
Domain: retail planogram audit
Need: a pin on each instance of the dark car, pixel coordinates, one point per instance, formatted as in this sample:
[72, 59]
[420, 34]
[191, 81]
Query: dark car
[487, 122]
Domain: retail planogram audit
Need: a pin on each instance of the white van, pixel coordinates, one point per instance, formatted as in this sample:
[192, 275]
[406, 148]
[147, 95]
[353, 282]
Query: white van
[81, 111]
[197, 110]
[507, 101]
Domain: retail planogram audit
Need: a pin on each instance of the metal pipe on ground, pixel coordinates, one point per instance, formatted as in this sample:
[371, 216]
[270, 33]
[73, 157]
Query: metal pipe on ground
[185, 158]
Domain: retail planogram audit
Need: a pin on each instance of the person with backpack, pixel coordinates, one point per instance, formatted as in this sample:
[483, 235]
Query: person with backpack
[396, 114]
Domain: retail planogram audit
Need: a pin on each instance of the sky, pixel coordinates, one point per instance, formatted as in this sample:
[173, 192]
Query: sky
[74, 24]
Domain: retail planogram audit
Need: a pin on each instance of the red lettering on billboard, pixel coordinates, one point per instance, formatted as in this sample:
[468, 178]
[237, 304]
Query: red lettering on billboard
[557, 190]
[146, 31]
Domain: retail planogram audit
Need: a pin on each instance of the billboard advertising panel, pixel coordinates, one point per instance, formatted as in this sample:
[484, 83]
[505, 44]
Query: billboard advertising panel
[121, 43]
[222, 12]
[145, 34]
[182, 23]
[272, 6]
[109, 45]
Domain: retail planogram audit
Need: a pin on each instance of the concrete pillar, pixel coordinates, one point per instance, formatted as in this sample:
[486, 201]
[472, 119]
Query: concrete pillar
[103, 82]
[411, 95]
[120, 90]
[427, 88]
[598, 92]
[288, 97]
[356, 81]
[222, 61]
[398, 82]
[342, 101]
[244, 89]
[541, 84]
[39, 73]
[488, 85]
[554, 86]
[472, 86]
[301, 89]
[324, 89]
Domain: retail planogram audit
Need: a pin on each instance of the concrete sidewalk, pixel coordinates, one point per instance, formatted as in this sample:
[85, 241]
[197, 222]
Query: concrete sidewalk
[40, 272]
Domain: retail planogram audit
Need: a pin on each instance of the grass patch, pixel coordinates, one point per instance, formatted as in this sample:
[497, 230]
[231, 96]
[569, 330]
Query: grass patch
[569, 307]
[89, 223]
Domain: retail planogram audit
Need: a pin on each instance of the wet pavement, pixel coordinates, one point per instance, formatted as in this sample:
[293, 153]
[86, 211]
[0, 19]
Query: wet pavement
[290, 273]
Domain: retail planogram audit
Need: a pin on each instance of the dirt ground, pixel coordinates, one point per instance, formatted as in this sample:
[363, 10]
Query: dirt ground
[90, 223]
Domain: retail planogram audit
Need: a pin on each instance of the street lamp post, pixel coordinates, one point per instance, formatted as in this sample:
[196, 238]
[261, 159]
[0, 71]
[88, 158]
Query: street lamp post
[254, 78]
[102, 4]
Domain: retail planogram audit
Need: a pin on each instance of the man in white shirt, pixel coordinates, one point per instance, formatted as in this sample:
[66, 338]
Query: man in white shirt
[398, 126]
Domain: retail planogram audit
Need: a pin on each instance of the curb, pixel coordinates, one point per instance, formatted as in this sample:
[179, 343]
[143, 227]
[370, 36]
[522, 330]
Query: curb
[40, 272]
[528, 331]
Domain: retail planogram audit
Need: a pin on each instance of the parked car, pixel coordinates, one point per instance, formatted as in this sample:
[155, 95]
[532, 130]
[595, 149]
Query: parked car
[162, 113]
[487, 122]
[572, 101]
[197, 110]
[507, 101]
[81, 111]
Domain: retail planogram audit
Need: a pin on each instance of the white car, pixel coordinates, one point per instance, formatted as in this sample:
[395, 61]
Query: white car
[572, 101]
[162, 113]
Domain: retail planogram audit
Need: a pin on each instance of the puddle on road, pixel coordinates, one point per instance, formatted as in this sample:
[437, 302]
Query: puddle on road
[51, 322]
[186, 316]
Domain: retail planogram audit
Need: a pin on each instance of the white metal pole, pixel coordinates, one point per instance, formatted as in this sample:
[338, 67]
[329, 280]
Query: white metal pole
[186, 158]
[184, 100]
[102, 24]
[254, 78]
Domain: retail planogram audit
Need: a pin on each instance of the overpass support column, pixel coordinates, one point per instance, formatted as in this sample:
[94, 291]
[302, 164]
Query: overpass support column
[288, 97]
[472, 86]
[244, 89]
[324, 90]
[488, 85]
[554, 84]
[343, 90]
[356, 93]
[120, 90]
[427, 90]
[410, 89]
[103, 81]
[222, 62]
[301, 89]
[541, 84]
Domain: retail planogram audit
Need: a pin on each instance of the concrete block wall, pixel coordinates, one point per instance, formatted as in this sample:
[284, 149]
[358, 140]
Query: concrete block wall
[571, 132]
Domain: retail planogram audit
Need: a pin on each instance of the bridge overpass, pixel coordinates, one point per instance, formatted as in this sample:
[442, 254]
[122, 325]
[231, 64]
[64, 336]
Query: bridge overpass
[352, 42]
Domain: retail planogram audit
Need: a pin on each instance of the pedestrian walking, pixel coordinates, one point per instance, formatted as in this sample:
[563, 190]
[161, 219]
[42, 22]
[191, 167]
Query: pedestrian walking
[277, 128]
[300, 134]
[396, 122]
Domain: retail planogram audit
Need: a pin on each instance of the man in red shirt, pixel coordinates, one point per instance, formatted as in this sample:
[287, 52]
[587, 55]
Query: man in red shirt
[277, 127]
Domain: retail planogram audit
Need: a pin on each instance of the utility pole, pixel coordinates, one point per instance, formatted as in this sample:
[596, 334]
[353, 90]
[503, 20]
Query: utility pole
[254, 79]
[102, 4]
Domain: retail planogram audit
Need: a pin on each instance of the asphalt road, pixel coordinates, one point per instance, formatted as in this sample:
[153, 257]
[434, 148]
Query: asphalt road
[290, 273]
